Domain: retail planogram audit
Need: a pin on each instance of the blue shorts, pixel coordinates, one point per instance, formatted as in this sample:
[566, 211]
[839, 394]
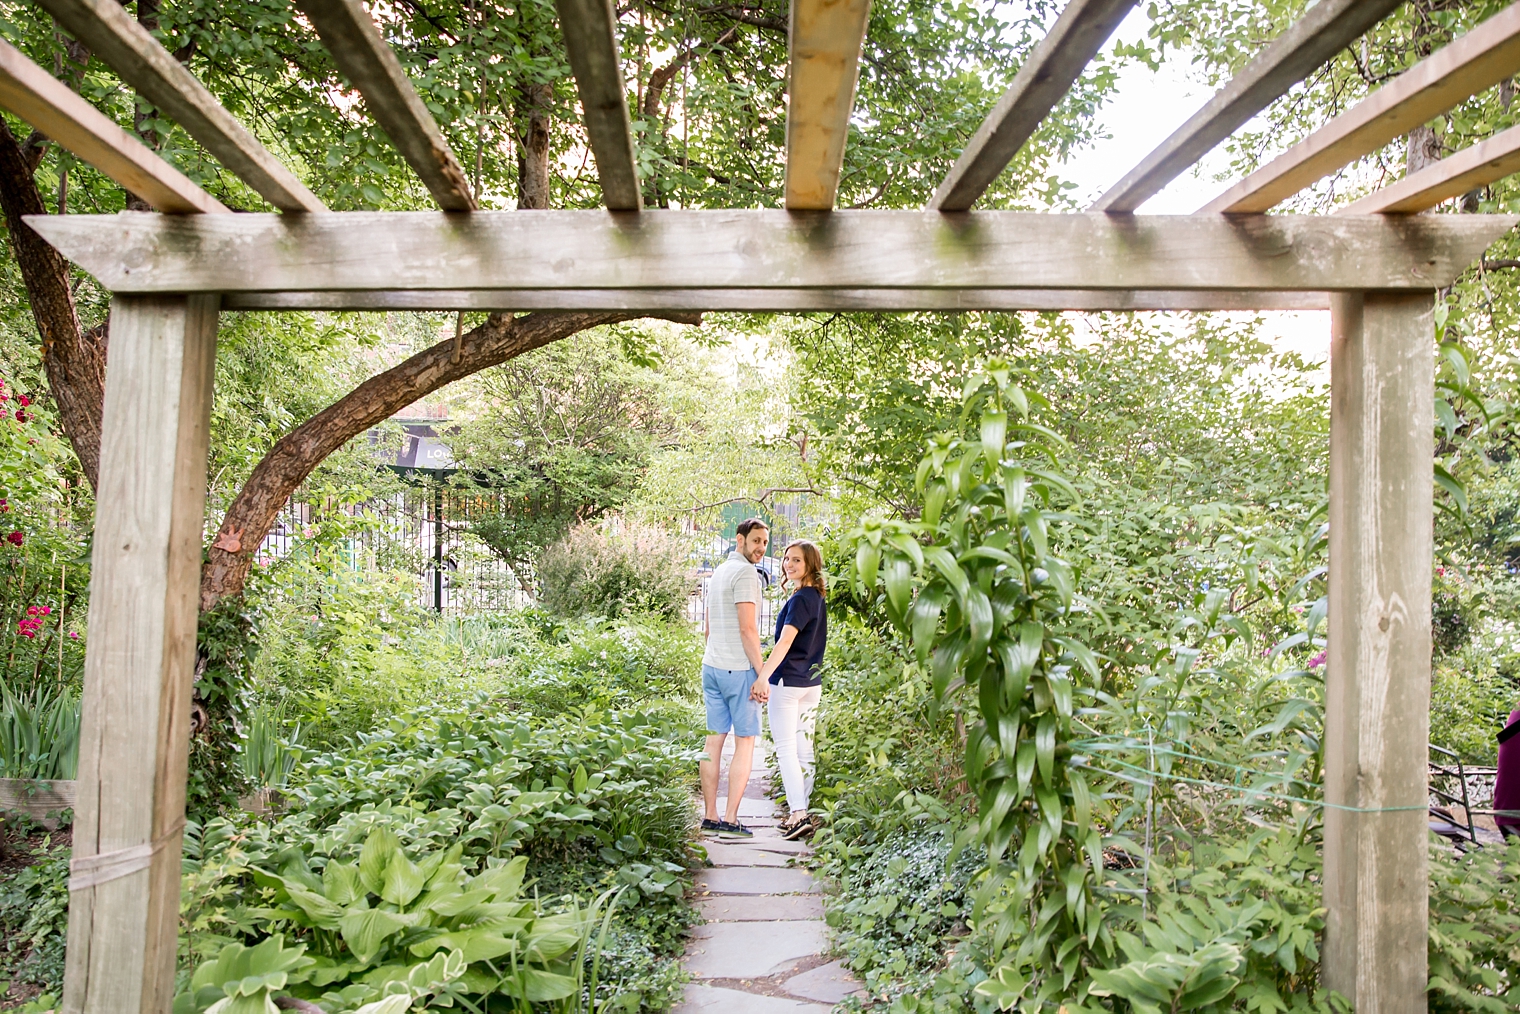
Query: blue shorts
[729, 706]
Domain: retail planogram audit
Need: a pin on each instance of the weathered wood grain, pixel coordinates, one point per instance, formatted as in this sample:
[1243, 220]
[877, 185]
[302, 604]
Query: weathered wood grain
[767, 249]
[824, 39]
[47, 104]
[759, 300]
[139, 666]
[1042, 81]
[1483, 57]
[371, 66]
[590, 29]
[129, 49]
[1377, 693]
[1470, 168]
[1324, 29]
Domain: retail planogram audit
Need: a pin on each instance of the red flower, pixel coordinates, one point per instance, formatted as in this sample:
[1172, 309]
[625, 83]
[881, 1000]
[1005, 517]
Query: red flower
[21, 416]
[25, 401]
[15, 538]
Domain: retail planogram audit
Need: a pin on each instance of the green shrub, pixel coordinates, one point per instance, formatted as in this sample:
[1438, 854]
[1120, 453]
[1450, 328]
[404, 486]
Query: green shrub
[636, 662]
[594, 803]
[589, 573]
[34, 906]
[1475, 930]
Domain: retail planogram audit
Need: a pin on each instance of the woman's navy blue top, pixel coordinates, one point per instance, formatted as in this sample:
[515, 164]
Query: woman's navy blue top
[804, 610]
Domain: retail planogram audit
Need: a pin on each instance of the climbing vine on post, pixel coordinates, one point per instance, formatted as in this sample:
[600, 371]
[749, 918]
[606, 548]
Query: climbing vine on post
[981, 597]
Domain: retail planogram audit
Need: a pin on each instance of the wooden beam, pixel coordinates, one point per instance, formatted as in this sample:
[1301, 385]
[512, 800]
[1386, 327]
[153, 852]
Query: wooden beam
[766, 300]
[1377, 683]
[1324, 30]
[768, 249]
[590, 28]
[371, 66]
[1042, 81]
[1468, 169]
[142, 62]
[140, 664]
[824, 39]
[1480, 59]
[47, 104]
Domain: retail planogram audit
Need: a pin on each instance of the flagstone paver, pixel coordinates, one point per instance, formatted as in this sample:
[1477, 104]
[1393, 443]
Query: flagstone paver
[760, 949]
[760, 907]
[755, 880]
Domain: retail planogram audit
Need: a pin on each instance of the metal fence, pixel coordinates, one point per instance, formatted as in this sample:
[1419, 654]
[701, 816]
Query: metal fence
[424, 530]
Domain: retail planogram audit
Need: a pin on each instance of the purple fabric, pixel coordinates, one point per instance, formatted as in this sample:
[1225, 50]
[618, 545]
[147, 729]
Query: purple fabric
[1507, 785]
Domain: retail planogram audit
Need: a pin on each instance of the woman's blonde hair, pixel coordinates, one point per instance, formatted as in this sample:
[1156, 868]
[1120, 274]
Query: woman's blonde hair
[812, 563]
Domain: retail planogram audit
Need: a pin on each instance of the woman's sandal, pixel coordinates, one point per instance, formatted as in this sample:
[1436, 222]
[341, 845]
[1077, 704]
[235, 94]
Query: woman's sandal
[803, 828]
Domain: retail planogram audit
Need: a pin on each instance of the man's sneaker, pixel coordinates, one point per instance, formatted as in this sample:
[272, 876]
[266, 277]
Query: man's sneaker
[709, 826]
[734, 830]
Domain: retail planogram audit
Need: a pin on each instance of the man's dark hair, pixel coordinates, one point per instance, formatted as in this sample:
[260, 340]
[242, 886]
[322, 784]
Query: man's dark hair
[750, 524]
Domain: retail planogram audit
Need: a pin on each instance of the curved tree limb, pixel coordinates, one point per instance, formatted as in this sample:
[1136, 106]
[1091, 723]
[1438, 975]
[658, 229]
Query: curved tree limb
[293, 457]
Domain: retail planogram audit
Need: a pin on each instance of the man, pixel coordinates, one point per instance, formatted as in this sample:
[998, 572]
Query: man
[730, 667]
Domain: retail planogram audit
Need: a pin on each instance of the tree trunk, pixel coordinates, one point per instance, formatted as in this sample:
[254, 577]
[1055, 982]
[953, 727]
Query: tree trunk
[75, 360]
[1423, 149]
[534, 103]
[296, 454]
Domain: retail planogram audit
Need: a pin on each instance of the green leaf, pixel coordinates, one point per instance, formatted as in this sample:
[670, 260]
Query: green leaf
[926, 611]
[944, 562]
[1448, 482]
[1045, 746]
[994, 433]
[402, 882]
[979, 620]
[898, 578]
[366, 931]
[1081, 802]
[542, 987]
[867, 557]
[322, 912]
[378, 849]
[341, 884]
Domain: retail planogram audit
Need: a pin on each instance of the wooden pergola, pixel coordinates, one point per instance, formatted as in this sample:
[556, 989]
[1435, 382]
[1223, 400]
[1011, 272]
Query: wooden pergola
[1374, 266]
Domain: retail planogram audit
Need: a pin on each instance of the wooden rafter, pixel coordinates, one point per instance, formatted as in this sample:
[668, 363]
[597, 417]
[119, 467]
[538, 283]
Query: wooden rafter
[1468, 169]
[1042, 81]
[372, 67]
[768, 249]
[824, 41]
[47, 104]
[1325, 29]
[590, 33]
[772, 300]
[1480, 59]
[129, 49]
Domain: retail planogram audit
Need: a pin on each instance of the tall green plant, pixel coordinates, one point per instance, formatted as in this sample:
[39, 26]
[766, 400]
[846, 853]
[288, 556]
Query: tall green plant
[39, 733]
[982, 597]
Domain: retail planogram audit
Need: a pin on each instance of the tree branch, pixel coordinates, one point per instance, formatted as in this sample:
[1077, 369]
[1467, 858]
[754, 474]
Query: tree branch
[294, 456]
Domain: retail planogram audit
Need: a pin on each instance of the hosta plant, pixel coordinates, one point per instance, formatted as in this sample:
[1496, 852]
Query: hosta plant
[388, 926]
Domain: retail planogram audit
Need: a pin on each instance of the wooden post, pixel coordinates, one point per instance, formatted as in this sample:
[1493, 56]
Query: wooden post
[1377, 697]
[139, 666]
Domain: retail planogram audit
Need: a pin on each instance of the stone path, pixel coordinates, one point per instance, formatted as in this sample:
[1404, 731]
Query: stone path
[760, 949]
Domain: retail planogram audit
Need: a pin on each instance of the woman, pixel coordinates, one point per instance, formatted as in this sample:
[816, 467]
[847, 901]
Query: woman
[792, 680]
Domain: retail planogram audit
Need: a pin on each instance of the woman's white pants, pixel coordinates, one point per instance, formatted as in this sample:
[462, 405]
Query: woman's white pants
[792, 714]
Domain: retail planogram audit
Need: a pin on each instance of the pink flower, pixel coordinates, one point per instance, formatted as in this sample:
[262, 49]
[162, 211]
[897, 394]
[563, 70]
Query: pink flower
[47, 610]
[31, 610]
[73, 635]
[1441, 571]
[1318, 660]
[15, 538]
[25, 401]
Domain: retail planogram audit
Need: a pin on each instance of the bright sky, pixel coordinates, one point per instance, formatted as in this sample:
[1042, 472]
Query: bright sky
[1147, 108]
